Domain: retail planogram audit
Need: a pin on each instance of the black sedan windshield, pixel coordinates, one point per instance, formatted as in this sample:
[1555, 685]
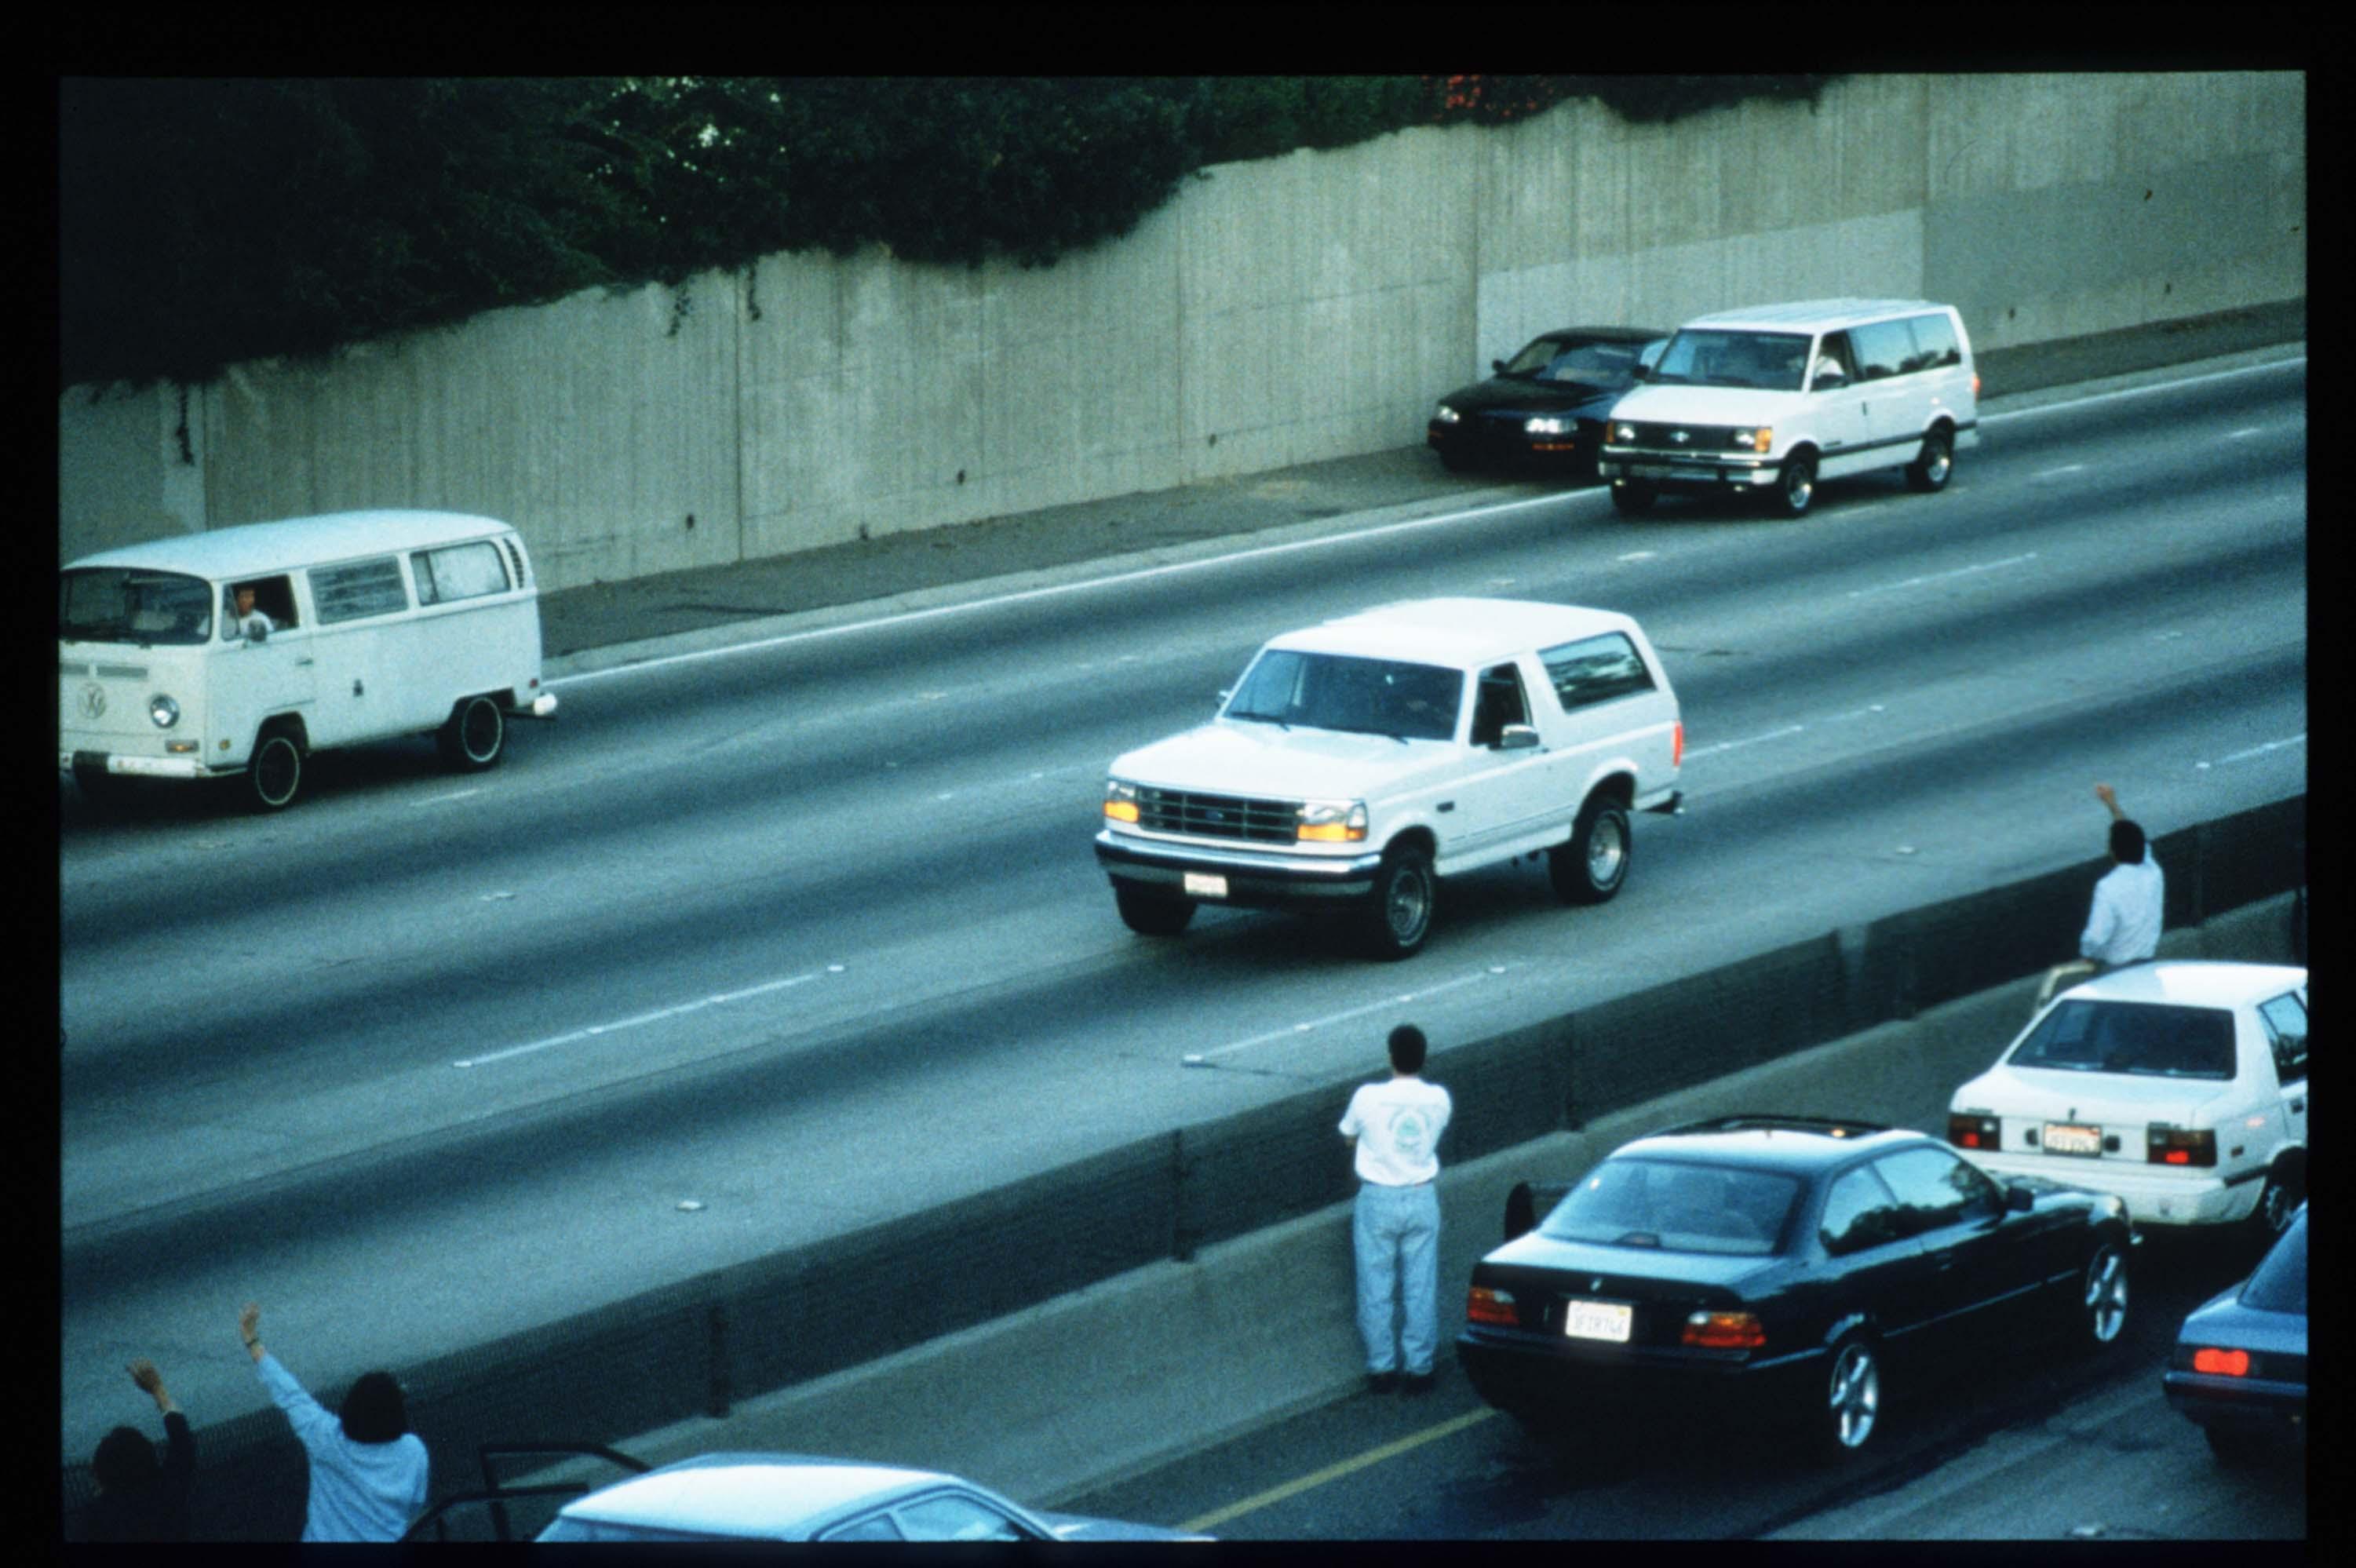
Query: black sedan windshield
[1677, 1208]
[1368, 697]
[1577, 360]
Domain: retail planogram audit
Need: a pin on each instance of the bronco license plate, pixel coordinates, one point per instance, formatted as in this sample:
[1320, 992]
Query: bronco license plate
[2061, 1138]
[1598, 1320]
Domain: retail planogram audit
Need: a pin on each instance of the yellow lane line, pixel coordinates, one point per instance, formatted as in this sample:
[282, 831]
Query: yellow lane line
[1335, 1472]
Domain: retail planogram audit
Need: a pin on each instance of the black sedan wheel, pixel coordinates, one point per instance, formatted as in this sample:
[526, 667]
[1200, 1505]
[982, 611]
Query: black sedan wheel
[1151, 914]
[1852, 1395]
[1397, 915]
[2102, 1314]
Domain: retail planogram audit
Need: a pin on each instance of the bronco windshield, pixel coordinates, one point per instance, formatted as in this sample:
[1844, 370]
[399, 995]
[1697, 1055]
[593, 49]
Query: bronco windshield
[1333, 690]
[1705, 357]
[134, 604]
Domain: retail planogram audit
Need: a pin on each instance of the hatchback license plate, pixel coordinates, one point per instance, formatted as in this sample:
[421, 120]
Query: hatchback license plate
[1597, 1320]
[2063, 1139]
[1205, 885]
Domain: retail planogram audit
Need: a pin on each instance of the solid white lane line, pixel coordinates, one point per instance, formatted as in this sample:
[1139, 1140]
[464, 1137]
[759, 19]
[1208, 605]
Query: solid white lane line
[2272, 745]
[1737, 745]
[2141, 391]
[593, 1030]
[1198, 1058]
[1944, 576]
[2064, 468]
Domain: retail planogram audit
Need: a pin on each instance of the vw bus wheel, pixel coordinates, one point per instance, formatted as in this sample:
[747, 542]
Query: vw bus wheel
[477, 736]
[274, 773]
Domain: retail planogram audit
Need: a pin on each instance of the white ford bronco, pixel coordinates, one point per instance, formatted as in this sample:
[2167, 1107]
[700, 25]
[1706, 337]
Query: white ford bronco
[1358, 761]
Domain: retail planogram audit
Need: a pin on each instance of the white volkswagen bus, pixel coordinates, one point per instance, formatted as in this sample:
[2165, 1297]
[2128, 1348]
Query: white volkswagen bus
[244, 649]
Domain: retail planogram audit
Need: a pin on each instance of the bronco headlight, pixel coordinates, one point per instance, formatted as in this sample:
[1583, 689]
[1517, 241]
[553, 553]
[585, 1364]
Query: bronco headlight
[1548, 424]
[1121, 801]
[164, 712]
[1332, 821]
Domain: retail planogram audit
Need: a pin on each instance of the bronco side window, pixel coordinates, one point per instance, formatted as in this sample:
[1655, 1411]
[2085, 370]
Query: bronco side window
[1501, 703]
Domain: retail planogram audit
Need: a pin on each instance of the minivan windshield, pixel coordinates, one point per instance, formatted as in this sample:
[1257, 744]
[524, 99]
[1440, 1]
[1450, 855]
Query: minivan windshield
[133, 604]
[1708, 357]
[1331, 691]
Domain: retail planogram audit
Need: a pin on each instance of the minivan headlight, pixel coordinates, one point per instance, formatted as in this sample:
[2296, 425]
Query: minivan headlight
[1761, 439]
[1624, 435]
[1121, 801]
[1332, 821]
[164, 712]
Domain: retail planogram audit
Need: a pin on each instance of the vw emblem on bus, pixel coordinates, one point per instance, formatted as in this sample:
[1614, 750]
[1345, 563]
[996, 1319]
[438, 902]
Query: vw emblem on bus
[93, 701]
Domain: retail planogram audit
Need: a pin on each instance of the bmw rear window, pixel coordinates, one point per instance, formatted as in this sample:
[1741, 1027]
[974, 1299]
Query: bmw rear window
[2280, 1282]
[1674, 1206]
[2146, 1039]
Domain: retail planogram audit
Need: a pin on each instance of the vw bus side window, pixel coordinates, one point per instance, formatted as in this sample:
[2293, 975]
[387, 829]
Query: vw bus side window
[115, 604]
[458, 571]
[356, 590]
[271, 597]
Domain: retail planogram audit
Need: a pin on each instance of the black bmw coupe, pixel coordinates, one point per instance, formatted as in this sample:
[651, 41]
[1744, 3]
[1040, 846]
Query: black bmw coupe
[1779, 1268]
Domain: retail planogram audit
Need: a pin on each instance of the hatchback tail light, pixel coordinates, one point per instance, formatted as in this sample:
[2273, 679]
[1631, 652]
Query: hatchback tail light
[2181, 1146]
[1970, 1130]
[1725, 1331]
[1487, 1305]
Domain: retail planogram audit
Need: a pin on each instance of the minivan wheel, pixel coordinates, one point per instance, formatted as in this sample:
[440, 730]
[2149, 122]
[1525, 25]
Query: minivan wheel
[1151, 914]
[1852, 1395]
[1797, 485]
[1592, 866]
[1931, 470]
[1397, 915]
[274, 775]
[1630, 498]
[475, 735]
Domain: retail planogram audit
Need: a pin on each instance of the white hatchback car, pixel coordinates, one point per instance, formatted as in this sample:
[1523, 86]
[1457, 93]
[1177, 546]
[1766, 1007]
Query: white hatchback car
[2179, 1086]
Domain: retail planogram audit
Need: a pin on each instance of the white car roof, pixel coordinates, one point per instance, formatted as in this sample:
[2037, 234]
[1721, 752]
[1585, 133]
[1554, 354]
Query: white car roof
[1464, 632]
[250, 549]
[761, 1495]
[2196, 983]
[1814, 314]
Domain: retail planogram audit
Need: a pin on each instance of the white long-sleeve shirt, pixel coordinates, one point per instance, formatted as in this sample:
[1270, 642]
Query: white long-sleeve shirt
[359, 1491]
[2123, 926]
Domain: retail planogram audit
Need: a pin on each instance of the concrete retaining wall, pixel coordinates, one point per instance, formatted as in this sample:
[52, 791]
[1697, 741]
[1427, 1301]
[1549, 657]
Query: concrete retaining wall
[1276, 312]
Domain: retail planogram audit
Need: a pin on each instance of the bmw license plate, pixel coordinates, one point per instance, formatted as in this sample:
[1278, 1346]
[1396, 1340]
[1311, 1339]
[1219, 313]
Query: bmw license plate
[1205, 885]
[2061, 1138]
[1597, 1320]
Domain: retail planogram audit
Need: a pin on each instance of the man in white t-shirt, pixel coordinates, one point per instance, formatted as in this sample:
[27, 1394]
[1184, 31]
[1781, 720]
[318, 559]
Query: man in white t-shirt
[2130, 902]
[1395, 1226]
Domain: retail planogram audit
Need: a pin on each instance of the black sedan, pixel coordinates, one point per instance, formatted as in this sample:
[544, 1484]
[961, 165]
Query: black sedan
[1776, 1267]
[2240, 1364]
[1547, 405]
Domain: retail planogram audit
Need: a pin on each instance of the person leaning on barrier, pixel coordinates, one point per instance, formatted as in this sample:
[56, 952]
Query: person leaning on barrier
[2130, 902]
[139, 1500]
[368, 1469]
[1395, 1225]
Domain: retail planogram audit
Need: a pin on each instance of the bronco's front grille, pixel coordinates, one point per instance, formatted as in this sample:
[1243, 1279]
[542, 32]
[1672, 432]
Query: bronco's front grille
[1217, 816]
[1713, 438]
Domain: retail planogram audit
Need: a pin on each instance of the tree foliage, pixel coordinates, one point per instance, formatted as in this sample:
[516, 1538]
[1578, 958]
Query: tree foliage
[205, 221]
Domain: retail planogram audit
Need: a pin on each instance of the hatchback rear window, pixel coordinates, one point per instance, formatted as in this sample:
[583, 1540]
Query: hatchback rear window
[2149, 1039]
[1675, 1207]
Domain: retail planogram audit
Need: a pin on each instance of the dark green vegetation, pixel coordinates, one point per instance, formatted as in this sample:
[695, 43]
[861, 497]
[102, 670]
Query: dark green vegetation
[207, 221]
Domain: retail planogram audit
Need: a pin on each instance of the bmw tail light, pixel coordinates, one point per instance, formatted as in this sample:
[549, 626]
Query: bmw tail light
[2181, 1146]
[2223, 1363]
[1725, 1331]
[1970, 1130]
[1488, 1306]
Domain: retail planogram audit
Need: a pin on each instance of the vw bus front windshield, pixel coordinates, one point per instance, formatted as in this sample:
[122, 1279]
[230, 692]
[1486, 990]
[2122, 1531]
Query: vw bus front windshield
[133, 604]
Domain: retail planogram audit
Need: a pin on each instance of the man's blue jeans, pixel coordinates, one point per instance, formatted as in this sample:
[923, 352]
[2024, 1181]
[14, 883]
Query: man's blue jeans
[1395, 1231]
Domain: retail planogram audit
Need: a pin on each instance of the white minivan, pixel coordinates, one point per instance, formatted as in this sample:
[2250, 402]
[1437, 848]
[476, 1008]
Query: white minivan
[243, 650]
[1774, 398]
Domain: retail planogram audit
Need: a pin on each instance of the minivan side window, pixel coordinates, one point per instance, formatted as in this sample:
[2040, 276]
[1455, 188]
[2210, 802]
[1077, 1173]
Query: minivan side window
[1934, 342]
[355, 590]
[1595, 669]
[458, 571]
[1883, 348]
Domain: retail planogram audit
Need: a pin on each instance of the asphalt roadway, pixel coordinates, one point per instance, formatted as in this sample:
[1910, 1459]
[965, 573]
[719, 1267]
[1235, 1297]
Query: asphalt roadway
[611, 623]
